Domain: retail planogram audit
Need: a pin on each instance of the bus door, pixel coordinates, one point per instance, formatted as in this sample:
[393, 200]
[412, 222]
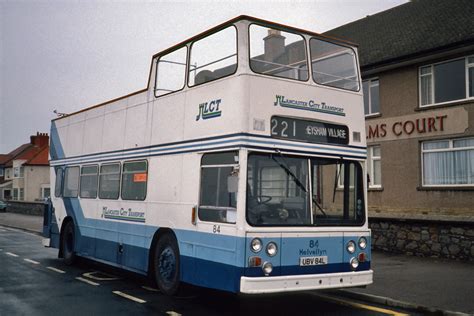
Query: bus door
[216, 252]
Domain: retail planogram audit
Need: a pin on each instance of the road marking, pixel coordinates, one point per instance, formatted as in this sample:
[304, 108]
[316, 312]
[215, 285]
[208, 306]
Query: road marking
[55, 270]
[31, 261]
[132, 298]
[108, 277]
[87, 281]
[359, 305]
[11, 254]
[172, 313]
[149, 288]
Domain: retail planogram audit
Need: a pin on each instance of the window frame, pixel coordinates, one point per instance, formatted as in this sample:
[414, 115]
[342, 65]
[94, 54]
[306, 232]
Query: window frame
[186, 66]
[190, 51]
[451, 148]
[60, 193]
[306, 50]
[80, 182]
[216, 208]
[371, 169]
[433, 103]
[356, 64]
[121, 179]
[370, 80]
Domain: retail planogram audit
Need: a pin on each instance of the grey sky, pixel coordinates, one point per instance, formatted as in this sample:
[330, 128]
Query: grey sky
[68, 55]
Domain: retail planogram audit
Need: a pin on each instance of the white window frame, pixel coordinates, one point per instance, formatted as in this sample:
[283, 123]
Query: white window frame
[371, 84]
[1, 172]
[18, 172]
[451, 148]
[370, 159]
[467, 65]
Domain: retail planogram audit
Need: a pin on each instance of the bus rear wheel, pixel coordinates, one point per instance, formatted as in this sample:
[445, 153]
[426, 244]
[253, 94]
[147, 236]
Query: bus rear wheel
[68, 244]
[166, 265]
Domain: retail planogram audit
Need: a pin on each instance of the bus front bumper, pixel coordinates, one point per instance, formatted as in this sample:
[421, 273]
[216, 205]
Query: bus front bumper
[255, 285]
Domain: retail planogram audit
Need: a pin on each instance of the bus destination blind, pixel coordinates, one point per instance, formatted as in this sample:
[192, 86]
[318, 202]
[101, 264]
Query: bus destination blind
[309, 131]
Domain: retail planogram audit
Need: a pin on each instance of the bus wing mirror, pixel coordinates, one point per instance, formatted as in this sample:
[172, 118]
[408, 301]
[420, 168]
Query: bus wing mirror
[232, 183]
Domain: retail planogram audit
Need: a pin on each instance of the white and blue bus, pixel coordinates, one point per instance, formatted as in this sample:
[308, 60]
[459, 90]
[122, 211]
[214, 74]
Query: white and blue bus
[240, 167]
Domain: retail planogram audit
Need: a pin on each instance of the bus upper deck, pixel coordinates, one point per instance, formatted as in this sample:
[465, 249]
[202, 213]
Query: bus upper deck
[240, 79]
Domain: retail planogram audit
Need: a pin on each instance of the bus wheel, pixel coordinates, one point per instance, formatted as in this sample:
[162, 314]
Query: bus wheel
[68, 244]
[166, 265]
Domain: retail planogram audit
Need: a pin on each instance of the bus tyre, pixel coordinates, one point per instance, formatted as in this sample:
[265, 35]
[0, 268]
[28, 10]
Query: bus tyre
[68, 244]
[166, 265]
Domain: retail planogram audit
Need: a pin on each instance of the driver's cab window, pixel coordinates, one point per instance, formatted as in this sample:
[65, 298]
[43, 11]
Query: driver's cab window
[219, 180]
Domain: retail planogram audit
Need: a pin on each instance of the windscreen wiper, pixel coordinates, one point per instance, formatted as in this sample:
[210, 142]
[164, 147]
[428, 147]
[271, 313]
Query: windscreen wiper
[289, 172]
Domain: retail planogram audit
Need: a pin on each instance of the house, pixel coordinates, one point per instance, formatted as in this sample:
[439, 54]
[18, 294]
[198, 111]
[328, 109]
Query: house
[26, 171]
[417, 66]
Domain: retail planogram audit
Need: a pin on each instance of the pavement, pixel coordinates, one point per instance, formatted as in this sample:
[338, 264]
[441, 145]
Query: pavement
[424, 285]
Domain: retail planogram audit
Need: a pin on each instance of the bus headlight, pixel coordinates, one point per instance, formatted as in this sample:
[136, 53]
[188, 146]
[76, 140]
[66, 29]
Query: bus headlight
[354, 263]
[362, 243]
[272, 249]
[267, 268]
[351, 247]
[256, 245]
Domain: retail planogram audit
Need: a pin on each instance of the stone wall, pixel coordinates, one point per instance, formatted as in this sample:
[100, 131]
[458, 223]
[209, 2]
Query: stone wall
[426, 238]
[29, 208]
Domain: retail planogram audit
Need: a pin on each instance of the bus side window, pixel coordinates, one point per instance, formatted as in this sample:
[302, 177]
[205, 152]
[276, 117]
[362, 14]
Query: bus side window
[89, 179]
[134, 180]
[218, 198]
[58, 187]
[109, 181]
[170, 72]
[213, 57]
[71, 182]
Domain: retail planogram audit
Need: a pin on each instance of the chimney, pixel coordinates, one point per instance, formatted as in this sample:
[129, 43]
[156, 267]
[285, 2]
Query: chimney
[274, 45]
[40, 139]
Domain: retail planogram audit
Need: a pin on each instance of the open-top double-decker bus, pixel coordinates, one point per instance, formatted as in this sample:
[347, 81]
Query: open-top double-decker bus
[240, 167]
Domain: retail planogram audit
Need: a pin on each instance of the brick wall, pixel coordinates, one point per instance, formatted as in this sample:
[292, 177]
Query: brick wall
[29, 208]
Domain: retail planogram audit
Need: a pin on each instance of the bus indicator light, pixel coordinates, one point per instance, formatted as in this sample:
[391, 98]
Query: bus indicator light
[255, 262]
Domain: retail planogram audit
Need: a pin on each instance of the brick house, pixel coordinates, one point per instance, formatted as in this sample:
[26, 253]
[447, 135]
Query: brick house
[26, 171]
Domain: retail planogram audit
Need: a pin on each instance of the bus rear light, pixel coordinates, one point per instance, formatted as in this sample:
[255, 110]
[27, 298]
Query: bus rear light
[255, 262]
[362, 243]
[267, 268]
[272, 249]
[362, 256]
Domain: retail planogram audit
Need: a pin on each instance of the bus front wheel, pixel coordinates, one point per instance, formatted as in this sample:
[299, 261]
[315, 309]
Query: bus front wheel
[68, 244]
[166, 265]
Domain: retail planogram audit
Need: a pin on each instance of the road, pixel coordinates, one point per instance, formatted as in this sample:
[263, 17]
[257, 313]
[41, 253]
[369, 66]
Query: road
[33, 281]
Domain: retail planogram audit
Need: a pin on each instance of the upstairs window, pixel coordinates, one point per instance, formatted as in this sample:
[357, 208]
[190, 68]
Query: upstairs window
[334, 65]
[447, 81]
[89, 181]
[134, 180]
[278, 53]
[71, 182]
[170, 72]
[109, 181]
[371, 96]
[213, 57]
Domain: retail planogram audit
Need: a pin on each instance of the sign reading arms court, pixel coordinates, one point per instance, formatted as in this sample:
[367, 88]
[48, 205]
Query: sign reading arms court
[309, 131]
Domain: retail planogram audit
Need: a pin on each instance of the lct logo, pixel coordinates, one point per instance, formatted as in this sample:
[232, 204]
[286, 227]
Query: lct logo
[209, 110]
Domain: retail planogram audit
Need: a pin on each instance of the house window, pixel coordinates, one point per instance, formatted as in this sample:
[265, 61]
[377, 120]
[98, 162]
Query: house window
[447, 81]
[45, 193]
[18, 172]
[8, 173]
[15, 194]
[1, 172]
[374, 167]
[371, 96]
[21, 195]
[448, 162]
